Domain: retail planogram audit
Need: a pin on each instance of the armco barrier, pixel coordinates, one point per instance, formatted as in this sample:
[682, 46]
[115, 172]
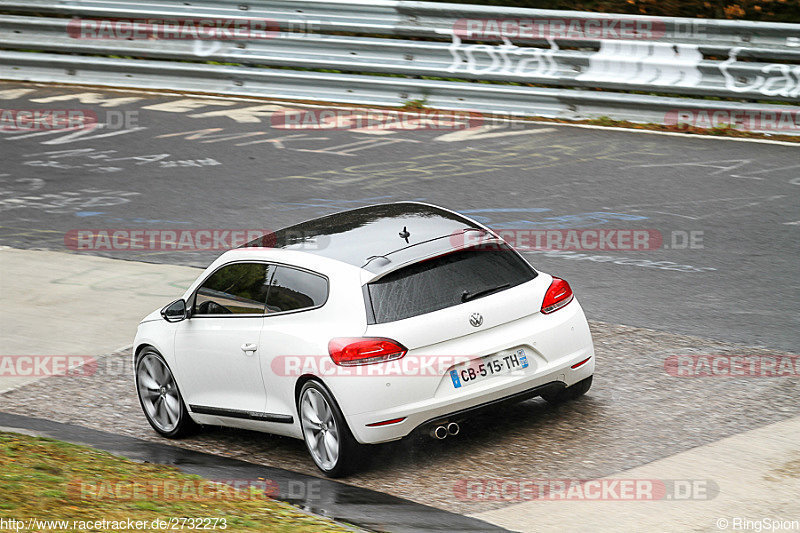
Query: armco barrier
[530, 62]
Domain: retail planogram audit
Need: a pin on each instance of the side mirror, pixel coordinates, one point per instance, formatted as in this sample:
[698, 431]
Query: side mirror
[175, 312]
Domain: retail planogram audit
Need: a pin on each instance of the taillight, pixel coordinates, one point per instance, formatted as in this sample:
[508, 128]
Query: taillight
[558, 295]
[352, 351]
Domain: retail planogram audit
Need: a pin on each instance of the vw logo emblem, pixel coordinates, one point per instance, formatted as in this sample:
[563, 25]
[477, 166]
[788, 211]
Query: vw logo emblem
[476, 319]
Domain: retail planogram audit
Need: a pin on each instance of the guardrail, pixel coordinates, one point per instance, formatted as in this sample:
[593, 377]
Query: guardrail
[466, 57]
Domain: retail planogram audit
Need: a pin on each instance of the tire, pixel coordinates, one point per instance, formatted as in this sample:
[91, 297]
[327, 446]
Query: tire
[570, 393]
[328, 439]
[159, 397]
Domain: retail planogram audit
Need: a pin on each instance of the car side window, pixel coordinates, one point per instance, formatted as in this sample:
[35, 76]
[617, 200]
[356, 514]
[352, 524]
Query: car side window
[292, 290]
[240, 288]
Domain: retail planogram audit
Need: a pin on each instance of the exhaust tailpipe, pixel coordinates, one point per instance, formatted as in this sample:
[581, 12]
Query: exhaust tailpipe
[440, 432]
[453, 429]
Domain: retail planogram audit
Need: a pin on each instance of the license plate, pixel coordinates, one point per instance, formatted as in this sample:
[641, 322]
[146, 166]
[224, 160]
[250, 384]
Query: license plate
[487, 367]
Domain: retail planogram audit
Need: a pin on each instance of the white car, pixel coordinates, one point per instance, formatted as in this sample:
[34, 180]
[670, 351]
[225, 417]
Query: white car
[358, 328]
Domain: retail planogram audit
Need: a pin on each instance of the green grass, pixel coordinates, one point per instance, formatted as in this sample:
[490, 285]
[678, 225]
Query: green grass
[415, 105]
[52, 480]
[723, 130]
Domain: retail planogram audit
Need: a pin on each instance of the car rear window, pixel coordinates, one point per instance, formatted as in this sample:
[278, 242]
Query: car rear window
[442, 282]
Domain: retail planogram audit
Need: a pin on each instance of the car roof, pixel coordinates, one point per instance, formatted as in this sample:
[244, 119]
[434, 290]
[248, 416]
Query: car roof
[378, 238]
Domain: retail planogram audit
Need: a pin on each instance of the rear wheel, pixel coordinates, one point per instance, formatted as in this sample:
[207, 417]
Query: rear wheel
[159, 396]
[570, 393]
[328, 439]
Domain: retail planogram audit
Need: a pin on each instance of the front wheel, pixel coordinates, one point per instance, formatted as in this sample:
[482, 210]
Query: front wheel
[328, 439]
[570, 393]
[159, 396]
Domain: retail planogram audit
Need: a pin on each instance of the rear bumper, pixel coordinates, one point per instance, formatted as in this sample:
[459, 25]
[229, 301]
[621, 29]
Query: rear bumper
[420, 415]
[459, 416]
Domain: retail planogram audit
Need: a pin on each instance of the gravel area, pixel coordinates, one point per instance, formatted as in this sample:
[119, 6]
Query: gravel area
[635, 413]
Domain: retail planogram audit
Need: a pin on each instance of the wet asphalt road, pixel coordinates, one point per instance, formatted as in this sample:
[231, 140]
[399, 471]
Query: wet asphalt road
[728, 213]
[229, 168]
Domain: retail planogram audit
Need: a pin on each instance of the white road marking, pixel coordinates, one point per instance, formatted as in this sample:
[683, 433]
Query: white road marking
[88, 98]
[482, 132]
[13, 94]
[668, 133]
[710, 164]
[16, 93]
[186, 104]
[245, 115]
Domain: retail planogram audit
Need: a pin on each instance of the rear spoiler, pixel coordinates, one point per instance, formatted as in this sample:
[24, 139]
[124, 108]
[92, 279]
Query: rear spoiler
[381, 265]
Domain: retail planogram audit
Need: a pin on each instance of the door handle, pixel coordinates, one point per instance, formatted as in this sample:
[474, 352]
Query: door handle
[249, 348]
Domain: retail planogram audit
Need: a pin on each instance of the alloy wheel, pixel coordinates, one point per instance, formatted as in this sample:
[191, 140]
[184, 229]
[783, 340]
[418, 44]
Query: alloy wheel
[158, 392]
[319, 429]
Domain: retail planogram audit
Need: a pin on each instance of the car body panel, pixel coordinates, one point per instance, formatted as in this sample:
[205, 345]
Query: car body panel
[215, 371]
[553, 343]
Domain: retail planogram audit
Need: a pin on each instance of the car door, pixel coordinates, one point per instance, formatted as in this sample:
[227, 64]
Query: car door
[291, 325]
[217, 348]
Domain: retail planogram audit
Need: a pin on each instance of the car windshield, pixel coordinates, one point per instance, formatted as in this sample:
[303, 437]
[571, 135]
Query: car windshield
[446, 281]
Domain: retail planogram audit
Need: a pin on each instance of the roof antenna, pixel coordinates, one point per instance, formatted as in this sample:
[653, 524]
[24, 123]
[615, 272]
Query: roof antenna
[405, 234]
